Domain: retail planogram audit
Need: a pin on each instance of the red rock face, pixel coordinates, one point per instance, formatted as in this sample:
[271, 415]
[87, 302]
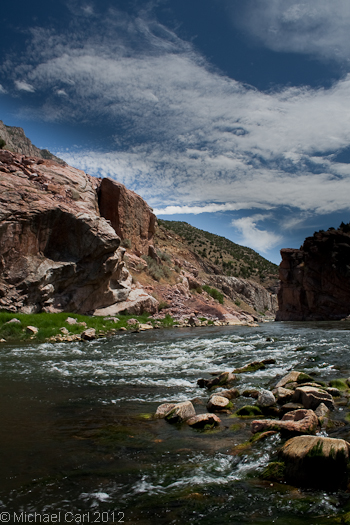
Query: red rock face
[129, 214]
[315, 280]
[56, 251]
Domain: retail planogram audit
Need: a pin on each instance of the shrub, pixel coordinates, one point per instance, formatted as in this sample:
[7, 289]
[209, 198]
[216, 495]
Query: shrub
[126, 243]
[214, 293]
[2, 143]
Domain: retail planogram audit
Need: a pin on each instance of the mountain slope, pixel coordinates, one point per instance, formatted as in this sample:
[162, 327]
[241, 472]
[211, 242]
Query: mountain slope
[225, 257]
[16, 141]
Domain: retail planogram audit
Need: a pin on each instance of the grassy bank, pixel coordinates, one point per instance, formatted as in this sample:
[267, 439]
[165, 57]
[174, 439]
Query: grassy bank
[55, 325]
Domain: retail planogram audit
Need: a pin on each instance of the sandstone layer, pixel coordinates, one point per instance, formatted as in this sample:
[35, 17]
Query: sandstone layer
[315, 280]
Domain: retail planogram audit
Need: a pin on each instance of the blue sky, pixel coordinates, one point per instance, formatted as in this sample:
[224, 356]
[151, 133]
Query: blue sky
[231, 115]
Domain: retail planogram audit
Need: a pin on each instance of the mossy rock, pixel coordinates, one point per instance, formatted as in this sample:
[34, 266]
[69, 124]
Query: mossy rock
[304, 378]
[274, 471]
[340, 384]
[249, 411]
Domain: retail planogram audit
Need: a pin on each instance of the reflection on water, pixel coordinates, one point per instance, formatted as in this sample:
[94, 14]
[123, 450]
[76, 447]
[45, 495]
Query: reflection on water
[75, 437]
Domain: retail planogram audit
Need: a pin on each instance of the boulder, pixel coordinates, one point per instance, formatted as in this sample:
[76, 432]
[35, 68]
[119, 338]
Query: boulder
[71, 321]
[203, 421]
[283, 395]
[311, 397]
[295, 422]
[223, 379]
[232, 393]
[218, 403]
[322, 412]
[180, 412]
[13, 321]
[293, 377]
[89, 334]
[251, 393]
[254, 366]
[315, 461]
[163, 409]
[32, 330]
[266, 399]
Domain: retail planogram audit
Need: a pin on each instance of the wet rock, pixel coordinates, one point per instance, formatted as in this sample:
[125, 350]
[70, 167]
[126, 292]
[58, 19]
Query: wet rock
[266, 399]
[253, 366]
[297, 421]
[275, 471]
[249, 411]
[311, 397]
[145, 326]
[289, 407]
[293, 376]
[204, 421]
[163, 409]
[232, 393]
[33, 330]
[218, 403]
[315, 461]
[180, 412]
[225, 378]
[322, 412]
[89, 334]
[283, 395]
[251, 393]
[334, 392]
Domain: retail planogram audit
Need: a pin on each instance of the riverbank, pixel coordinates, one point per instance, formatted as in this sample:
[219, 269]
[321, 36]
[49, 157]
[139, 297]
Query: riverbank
[60, 327]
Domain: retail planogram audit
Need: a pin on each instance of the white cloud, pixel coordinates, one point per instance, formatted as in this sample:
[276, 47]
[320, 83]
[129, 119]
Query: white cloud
[2, 90]
[187, 137]
[22, 85]
[317, 27]
[261, 240]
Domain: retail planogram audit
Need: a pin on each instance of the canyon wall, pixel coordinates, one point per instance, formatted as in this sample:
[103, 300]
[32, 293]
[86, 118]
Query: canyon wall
[315, 280]
[57, 250]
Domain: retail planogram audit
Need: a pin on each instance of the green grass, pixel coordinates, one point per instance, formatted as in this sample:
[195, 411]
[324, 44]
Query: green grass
[49, 325]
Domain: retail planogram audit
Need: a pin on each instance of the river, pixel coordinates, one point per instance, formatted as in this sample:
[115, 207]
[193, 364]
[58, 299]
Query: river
[77, 444]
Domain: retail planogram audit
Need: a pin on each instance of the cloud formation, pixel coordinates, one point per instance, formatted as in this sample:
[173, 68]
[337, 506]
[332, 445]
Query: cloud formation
[316, 27]
[186, 137]
[253, 236]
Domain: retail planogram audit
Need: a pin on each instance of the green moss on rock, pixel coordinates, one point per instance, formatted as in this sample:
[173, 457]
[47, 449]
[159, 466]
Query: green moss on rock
[274, 471]
[249, 411]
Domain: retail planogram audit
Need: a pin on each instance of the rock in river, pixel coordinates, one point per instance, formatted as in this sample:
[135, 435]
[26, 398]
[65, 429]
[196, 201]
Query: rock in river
[315, 461]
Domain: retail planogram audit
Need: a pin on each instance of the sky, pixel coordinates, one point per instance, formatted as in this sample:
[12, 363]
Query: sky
[231, 115]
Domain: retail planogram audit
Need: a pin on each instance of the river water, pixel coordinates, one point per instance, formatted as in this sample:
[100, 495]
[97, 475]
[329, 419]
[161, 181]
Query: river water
[76, 440]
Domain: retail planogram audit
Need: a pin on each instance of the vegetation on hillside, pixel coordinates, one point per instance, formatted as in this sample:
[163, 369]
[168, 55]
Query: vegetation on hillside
[230, 258]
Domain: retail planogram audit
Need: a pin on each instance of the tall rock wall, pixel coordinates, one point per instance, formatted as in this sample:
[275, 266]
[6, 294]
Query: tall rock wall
[315, 280]
[129, 215]
[57, 251]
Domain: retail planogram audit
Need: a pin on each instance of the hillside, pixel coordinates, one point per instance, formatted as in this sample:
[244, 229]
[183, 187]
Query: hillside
[224, 257]
[15, 140]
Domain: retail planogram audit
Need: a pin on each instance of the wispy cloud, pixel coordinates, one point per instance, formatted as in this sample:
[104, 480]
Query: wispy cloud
[317, 27]
[2, 90]
[22, 85]
[261, 240]
[187, 138]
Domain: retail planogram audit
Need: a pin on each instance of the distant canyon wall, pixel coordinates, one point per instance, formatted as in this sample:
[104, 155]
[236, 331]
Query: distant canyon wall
[315, 280]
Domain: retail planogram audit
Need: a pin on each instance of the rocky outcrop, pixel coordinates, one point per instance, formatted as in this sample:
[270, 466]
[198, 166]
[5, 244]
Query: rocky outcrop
[252, 293]
[315, 280]
[136, 228]
[58, 252]
[17, 142]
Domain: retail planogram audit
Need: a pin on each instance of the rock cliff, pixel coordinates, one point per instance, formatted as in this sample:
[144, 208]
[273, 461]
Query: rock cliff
[315, 280]
[17, 142]
[57, 251]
